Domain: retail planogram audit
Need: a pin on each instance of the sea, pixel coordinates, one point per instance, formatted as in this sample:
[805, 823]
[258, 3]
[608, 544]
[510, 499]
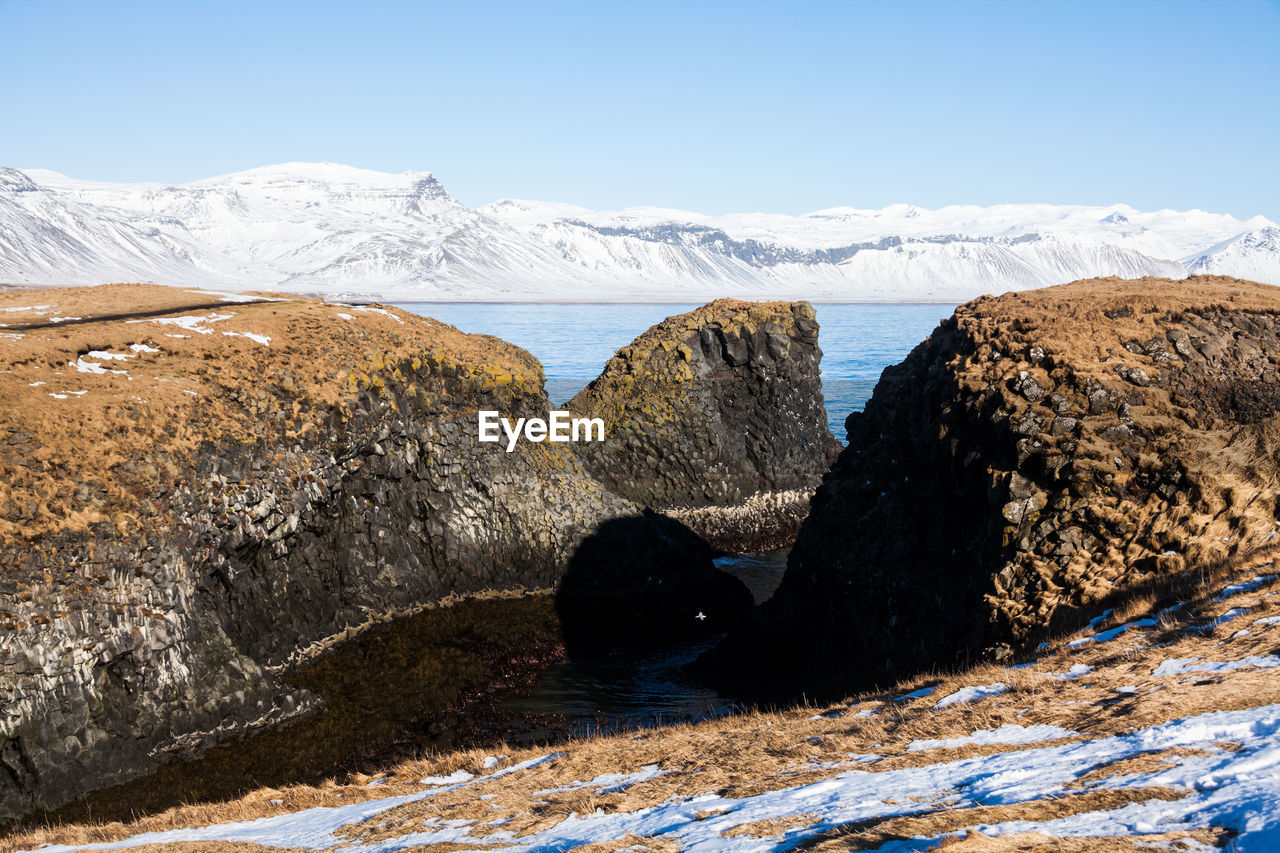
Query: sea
[574, 340]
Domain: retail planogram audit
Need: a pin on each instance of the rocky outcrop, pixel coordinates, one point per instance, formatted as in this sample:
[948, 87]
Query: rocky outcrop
[196, 501]
[711, 409]
[1039, 456]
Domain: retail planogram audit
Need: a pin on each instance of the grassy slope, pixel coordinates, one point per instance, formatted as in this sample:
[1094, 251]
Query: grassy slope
[748, 757]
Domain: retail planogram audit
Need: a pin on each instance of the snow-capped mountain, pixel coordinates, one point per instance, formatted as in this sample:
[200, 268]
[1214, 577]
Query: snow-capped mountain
[1253, 254]
[326, 228]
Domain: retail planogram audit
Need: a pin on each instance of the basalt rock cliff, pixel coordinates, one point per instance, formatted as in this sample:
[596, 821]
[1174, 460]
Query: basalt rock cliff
[199, 494]
[1040, 456]
[715, 417]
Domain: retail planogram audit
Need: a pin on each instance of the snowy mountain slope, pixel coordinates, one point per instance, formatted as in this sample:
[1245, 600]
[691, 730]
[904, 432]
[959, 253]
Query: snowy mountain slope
[1254, 254]
[46, 237]
[336, 229]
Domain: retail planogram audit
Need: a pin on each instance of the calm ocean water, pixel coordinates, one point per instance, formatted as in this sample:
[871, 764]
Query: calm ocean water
[573, 341]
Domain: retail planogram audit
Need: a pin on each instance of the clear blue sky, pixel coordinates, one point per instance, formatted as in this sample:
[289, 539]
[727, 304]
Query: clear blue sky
[717, 107]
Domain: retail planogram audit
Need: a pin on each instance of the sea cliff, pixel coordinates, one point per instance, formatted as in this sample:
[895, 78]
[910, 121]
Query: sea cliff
[202, 494]
[1040, 457]
[715, 417]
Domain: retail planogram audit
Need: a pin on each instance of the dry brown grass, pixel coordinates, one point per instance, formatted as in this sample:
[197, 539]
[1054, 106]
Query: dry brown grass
[761, 751]
[195, 388]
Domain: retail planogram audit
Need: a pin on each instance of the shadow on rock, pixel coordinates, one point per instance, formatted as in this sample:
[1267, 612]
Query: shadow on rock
[645, 581]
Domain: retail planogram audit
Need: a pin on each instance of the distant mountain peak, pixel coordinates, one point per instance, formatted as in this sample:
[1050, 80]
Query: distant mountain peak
[12, 180]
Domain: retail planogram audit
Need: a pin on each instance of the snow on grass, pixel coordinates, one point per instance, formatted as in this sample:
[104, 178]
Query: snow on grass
[1075, 671]
[971, 694]
[190, 322]
[915, 694]
[1107, 636]
[262, 339]
[36, 384]
[382, 311]
[63, 319]
[107, 355]
[608, 783]
[1181, 666]
[1096, 622]
[142, 348]
[1009, 733]
[1267, 620]
[1223, 619]
[83, 366]
[313, 828]
[1237, 790]
[1244, 586]
[33, 308]
[452, 779]
[345, 316]
[226, 296]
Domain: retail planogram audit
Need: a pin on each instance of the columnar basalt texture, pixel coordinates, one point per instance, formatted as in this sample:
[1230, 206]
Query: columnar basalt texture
[197, 495]
[711, 408]
[1040, 455]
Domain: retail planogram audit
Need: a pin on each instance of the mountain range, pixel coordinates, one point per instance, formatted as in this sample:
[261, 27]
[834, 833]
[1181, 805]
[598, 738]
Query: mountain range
[322, 228]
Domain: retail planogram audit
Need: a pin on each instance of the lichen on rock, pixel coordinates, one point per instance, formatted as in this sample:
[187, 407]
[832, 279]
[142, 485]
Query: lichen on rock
[713, 408]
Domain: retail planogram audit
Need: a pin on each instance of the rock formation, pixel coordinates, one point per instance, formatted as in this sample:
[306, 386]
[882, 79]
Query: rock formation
[1041, 455]
[712, 409]
[199, 494]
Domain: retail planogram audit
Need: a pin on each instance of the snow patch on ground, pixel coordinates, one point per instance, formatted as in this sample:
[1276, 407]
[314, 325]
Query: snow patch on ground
[381, 311]
[608, 783]
[262, 339]
[190, 322]
[971, 694]
[1107, 636]
[1181, 666]
[1244, 586]
[1223, 619]
[83, 366]
[915, 694]
[227, 296]
[452, 779]
[1010, 733]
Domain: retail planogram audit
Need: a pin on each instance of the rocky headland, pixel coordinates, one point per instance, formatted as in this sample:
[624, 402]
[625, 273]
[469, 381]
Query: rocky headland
[715, 417]
[223, 513]
[202, 494]
[1041, 457]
